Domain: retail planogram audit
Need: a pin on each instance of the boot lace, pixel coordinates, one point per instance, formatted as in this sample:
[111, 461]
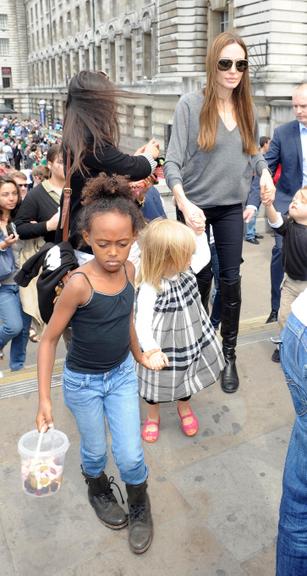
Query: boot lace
[137, 511]
[113, 483]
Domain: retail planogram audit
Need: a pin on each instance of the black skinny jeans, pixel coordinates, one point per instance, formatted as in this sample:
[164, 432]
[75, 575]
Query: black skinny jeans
[227, 225]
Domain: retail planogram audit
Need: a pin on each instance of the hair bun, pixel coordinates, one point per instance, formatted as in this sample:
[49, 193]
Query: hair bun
[106, 186]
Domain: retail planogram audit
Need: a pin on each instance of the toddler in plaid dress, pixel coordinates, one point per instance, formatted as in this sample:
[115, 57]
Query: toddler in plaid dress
[172, 326]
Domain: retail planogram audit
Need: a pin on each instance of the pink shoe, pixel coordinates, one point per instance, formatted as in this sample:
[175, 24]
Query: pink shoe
[150, 431]
[191, 428]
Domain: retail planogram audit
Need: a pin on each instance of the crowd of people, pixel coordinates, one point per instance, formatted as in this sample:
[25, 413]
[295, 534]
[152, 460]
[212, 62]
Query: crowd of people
[219, 172]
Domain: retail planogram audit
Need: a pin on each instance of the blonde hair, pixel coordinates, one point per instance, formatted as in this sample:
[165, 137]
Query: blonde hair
[167, 247]
[241, 96]
[303, 193]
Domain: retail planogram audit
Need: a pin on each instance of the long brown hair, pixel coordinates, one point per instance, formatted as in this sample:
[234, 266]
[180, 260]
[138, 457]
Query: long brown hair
[7, 179]
[241, 96]
[91, 119]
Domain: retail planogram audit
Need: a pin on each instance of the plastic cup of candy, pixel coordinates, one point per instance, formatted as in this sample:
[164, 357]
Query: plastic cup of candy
[42, 473]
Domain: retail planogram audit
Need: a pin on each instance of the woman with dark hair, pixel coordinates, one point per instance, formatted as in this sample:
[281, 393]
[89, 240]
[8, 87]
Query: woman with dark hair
[15, 323]
[38, 214]
[91, 135]
[210, 161]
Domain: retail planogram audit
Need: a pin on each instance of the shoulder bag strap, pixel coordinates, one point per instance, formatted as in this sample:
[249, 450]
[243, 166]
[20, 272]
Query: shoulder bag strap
[66, 201]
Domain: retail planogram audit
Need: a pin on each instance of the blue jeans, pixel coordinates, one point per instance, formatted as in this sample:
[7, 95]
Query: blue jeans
[113, 396]
[15, 325]
[250, 228]
[292, 529]
[277, 272]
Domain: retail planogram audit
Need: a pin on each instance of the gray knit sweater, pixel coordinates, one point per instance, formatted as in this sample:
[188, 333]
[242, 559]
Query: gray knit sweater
[221, 176]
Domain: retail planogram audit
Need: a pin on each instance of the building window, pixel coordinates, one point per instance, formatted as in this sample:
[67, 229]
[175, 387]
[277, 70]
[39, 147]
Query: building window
[6, 77]
[224, 21]
[148, 122]
[130, 120]
[4, 46]
[88, 12]
[3, 21]
[68, 20]
[147, 57]
[128, 53]
[112, 61]
[9, 102]
[77, 15]
[113, 8]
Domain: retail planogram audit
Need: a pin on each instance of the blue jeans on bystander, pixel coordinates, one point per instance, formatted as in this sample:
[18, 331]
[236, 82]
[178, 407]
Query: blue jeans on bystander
[15, 325]
[113, 396]
[292, 529]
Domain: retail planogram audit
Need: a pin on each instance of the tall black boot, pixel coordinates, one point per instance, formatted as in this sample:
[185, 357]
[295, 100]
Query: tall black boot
[101, 497]
[140, 519]
[230, 315]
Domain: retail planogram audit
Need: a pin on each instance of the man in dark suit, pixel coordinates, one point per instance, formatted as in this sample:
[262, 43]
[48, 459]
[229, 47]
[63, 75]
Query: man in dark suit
[288, 147]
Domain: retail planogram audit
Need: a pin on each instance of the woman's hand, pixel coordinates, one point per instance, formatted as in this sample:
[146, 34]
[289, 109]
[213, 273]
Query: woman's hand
[267, 188]
[10, 240]
[52, 223]
[152, 147]
[194, 216]
[249, 213]
[44, 419]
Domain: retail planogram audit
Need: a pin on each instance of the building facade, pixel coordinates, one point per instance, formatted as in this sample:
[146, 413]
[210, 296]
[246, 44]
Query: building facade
[154, 48]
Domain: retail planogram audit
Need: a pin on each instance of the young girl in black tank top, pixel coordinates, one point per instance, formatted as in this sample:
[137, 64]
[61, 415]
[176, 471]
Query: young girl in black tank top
[99, 378]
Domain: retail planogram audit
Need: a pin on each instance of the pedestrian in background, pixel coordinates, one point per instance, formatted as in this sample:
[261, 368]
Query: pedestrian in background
[251, 234]
[210, 161]
[288, 147]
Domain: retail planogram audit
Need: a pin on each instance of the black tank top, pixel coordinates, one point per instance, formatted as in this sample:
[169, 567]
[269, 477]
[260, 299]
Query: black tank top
[101, 331]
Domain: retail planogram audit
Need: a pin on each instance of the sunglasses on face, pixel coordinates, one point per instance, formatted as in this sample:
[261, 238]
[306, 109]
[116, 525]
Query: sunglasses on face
[225, 64]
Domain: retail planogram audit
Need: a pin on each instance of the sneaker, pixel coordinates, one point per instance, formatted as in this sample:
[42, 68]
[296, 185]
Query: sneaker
[272, 317]
[276, 356]
[252, 240]
[259, 236]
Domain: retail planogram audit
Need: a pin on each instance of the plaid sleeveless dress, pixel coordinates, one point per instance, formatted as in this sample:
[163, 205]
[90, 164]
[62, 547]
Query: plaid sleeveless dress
[185, 334]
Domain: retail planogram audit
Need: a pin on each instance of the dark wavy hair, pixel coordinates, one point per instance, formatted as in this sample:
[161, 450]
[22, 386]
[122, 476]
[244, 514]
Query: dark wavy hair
[7, 179]
[91, 116]
[109, 194]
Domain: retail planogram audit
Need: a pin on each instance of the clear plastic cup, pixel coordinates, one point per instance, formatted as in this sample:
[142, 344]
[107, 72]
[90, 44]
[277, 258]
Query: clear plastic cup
[42, 474]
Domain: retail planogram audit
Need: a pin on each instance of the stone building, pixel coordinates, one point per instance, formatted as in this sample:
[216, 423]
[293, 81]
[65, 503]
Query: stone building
[155, 48]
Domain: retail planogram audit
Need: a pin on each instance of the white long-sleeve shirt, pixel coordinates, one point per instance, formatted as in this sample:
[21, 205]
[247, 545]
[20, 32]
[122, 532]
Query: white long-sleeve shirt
[147, 295]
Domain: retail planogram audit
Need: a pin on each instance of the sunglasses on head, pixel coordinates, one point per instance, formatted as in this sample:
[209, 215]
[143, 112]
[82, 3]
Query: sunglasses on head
[225, 64]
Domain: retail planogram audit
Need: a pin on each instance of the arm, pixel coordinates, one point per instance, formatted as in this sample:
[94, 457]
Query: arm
[30, 213]
[275, 218]
[202, 254]
[113, 161]
[72, 296]
[174, 163]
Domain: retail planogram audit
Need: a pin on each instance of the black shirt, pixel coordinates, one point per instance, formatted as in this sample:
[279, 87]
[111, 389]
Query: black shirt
[294, 250]
[111, 161]
[39, 206]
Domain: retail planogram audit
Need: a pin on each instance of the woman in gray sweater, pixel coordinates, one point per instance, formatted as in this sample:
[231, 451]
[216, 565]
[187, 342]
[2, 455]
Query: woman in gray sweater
[210, 161]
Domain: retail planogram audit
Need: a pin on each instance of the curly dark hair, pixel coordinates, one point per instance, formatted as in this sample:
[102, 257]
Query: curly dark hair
[109, 194]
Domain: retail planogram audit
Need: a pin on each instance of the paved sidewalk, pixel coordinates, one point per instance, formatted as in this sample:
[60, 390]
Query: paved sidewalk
[215, 497]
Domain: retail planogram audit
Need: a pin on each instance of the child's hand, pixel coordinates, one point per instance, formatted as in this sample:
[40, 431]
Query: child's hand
[44, 419]
[155, 360]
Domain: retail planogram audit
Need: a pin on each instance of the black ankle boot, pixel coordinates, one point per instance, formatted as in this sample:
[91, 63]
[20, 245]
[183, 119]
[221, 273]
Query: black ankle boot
[140, 520]
[229, 378]
[230, 315]
[102, 499]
